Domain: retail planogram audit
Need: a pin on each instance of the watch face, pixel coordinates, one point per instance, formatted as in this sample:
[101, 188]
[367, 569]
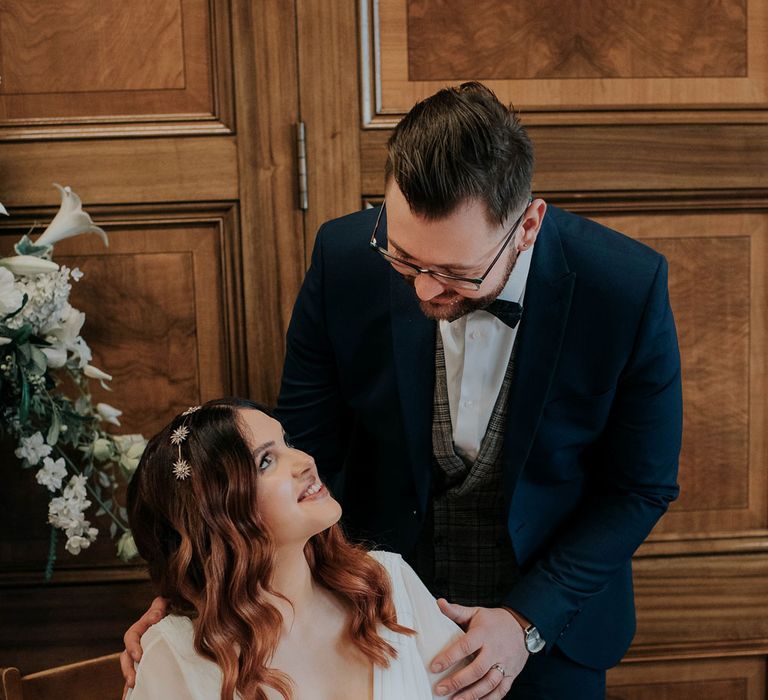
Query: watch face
[533, 641]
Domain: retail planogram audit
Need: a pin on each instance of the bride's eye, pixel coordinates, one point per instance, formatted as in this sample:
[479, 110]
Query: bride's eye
[266, 461]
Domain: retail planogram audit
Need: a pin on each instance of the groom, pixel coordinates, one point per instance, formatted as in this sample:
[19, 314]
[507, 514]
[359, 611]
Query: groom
[492, 386]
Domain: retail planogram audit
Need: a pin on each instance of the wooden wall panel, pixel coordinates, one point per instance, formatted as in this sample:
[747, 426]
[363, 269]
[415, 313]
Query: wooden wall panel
[700, 606]
[163, 67]
[602, 160]
[145, 38]
[645, 59]
[592, 39]
[713, 316]
[718, 264]
[190, 169]
[718, 679]
[158, 306]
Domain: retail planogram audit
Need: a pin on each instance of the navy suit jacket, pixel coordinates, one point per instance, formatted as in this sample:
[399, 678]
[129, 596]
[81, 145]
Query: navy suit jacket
[594, 421]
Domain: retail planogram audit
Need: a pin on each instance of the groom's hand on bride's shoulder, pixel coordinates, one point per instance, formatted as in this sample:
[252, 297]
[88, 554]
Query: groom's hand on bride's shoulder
[132, 639]
[492, 650]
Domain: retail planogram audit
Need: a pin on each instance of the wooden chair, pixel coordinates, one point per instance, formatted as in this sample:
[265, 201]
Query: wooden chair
[94, 679]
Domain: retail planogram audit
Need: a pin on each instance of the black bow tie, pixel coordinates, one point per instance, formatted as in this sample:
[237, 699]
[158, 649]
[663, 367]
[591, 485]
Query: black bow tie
[508, 312]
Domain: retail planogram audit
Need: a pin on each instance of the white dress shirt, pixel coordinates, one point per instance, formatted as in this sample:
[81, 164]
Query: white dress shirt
[477, 347]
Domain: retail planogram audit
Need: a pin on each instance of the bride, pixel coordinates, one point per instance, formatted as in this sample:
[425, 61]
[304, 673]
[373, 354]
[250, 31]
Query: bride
[267, 599]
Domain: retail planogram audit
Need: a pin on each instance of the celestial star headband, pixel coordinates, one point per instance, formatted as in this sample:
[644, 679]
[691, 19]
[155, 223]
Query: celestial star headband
[181, 467]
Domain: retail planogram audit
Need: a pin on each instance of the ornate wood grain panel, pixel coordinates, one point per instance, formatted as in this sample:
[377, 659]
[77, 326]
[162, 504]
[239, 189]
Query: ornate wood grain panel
[700, 606]
[78, 68]
[584, 39]
[162, 319]
[721, 679]
[37, 36]
[571, 63]
[603, 159]
[718, 294]
[190, 169]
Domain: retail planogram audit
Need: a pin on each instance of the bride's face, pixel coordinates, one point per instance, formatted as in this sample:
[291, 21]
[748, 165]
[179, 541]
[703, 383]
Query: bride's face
[293, 502]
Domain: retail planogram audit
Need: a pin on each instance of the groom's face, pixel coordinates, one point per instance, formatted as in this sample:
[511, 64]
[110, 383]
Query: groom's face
[463, 243]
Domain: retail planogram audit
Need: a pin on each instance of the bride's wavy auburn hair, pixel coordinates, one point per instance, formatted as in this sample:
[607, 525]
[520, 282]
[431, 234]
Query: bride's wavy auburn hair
[210, 554]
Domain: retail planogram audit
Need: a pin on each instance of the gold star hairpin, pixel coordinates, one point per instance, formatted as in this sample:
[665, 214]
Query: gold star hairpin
[181, 468]
[179, 435]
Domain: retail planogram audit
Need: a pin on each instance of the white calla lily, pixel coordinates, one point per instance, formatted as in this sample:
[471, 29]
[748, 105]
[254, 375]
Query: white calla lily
[28, 265]
[56, 355]
[102, 449]
[126, 547]
[67, 326]
[130, 447]
[107, 413]
[11, 297]
[95, 373]
[69, 221]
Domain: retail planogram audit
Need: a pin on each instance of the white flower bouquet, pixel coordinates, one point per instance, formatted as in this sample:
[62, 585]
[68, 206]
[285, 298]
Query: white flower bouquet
[41, 354]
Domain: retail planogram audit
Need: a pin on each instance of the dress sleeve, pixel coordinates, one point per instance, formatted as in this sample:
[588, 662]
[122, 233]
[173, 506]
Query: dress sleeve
[434, 630]
[159, 675]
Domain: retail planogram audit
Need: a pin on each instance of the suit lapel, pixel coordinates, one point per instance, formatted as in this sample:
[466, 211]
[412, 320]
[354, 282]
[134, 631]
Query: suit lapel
[545, 314]
[413, 343]
[413, 349]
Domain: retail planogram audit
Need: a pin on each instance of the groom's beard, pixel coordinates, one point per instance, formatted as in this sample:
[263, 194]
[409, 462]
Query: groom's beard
[452, 305]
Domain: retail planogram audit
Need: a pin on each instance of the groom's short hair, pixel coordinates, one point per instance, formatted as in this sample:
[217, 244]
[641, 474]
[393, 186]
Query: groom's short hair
[458, 144]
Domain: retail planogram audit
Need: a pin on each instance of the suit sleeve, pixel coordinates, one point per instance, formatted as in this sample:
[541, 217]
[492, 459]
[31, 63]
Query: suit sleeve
[632, 478]
[309, 404]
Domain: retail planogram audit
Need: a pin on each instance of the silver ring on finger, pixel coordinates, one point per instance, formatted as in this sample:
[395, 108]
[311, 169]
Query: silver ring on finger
[500, 669]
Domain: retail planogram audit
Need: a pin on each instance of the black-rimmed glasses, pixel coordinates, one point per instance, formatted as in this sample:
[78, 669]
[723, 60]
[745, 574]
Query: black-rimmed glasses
[409, 269]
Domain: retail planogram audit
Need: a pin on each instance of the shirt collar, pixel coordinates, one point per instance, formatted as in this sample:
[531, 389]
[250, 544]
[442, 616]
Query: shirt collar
[514, 289]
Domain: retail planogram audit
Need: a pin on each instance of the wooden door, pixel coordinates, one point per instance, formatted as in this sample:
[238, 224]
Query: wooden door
[650, 118]
[175, 123]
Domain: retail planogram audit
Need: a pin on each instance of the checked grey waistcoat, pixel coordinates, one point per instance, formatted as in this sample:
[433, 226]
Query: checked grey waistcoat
[471, 561]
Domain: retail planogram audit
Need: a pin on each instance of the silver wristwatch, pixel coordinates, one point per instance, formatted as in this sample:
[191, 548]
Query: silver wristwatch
[533, 641]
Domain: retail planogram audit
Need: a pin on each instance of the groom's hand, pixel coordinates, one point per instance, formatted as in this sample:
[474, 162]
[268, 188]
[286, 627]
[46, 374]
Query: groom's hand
[495, 637]
[132, 640]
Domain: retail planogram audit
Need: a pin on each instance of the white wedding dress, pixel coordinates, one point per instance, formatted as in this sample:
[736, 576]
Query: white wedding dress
[170, 667]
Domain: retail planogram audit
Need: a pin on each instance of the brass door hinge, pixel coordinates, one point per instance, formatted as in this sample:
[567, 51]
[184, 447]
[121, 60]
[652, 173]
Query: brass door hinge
[301, 154]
